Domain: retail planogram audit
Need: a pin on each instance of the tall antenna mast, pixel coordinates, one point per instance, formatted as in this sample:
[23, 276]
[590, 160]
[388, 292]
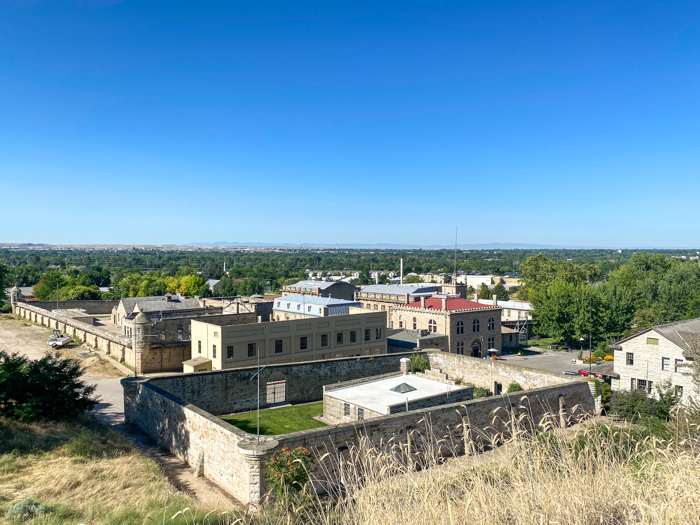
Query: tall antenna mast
[454, 275]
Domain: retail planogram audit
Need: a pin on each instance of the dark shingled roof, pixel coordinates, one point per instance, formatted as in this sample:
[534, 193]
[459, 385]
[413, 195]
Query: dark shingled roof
[158, 303]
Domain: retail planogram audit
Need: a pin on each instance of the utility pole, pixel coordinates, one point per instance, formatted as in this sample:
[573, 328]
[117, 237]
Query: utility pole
[590, 335]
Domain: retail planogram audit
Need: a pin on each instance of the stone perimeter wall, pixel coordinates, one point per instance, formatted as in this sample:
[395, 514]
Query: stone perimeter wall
[485, 372]
[167, 356]
[232, 459]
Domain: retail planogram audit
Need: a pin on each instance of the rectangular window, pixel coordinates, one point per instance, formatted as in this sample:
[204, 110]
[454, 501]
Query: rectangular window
[213, 351]
[679, 365]
[216, 334]
[252, 350]
[377, 333]
[630, 358]
[679, 391]
[400, 324]
[229, 352]
[324, 339]
[460, 348]
[492, 342]
[199, 347]
[666, 364]
[367, 335]
[303, 343]
[339, 338]
[360, 414]
[346, 409]
[641, 384]
[652, 341]
[278, 346]
[353, 336]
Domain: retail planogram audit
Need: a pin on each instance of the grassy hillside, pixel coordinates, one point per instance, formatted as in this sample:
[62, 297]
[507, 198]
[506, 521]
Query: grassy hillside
[85, 472]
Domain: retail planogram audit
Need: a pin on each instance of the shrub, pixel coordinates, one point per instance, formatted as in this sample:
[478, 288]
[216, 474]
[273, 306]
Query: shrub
[580, 355]
[288, 471]
[419, 363]
[605, 395]
[599, 354]
[514, 387]
[603, 347]
[633, 406]
[48, 388]
[609, 357]
[26, 510]
[6, 308]
[481, 392]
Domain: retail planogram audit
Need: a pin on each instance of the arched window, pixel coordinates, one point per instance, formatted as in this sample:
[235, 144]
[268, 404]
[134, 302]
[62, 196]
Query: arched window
[415, 325]
[432, 326]
[460, 327]
[492, 323]
[475, 325]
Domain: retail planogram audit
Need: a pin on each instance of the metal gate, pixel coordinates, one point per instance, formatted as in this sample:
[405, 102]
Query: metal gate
[276, 392]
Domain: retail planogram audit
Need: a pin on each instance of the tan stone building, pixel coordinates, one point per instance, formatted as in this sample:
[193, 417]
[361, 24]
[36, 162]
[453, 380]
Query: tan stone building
[663, 352]
[233, 346]
[382, 297]
[471, 328]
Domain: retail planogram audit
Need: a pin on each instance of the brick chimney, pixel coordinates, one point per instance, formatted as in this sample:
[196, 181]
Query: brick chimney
[444, 303]
[495, 300]
[422, 301]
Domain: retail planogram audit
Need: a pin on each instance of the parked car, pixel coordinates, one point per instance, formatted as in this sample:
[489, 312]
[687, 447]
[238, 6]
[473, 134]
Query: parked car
[570, 373]
[586, 373]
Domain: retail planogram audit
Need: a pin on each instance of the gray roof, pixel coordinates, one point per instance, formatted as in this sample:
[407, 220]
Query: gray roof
[158, 303]
[321, 285]
[680, 333]
[213, 282]
[400, 289]
[311, 305]
[199, 360]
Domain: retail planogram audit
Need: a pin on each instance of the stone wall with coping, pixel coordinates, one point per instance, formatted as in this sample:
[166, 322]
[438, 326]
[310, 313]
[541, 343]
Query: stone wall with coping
[486, 372]
[96, 307]
[234, 390]
[232, 459]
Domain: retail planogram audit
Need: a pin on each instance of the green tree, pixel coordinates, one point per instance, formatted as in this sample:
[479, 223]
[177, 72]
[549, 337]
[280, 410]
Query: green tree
[46, 288]
[412, 279]
[47, 388]
[500, 292]
[484, 292]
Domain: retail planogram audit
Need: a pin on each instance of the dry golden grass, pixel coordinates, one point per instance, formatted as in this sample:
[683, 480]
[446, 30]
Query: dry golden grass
[597, 474]
[89, 474]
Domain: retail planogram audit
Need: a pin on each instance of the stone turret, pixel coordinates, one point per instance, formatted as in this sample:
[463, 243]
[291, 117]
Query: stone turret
[15, 295]
[140, 338]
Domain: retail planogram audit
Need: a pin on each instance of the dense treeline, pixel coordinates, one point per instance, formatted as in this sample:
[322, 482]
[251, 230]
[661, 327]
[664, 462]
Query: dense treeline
[607, 293]
[571, 300]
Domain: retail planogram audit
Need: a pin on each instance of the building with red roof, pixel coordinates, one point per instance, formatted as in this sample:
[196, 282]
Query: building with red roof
[471, 328]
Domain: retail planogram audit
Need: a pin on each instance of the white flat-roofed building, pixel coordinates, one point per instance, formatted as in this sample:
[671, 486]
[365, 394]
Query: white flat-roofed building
[304, 306]
[388, 395]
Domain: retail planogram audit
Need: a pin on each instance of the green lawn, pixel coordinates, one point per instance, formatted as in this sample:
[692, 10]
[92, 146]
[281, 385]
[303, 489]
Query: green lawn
[544, 343]
[282, 420]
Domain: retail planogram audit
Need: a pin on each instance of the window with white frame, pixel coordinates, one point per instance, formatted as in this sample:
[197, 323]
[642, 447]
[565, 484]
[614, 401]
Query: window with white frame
[666, 364]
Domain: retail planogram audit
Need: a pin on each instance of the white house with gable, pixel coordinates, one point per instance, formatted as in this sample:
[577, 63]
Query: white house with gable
[662, 352]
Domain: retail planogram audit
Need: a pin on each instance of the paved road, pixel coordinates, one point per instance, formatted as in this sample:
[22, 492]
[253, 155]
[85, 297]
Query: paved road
[547, 360]
[110, 409]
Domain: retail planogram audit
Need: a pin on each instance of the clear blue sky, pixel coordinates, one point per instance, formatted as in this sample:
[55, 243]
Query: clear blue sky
[572, 123]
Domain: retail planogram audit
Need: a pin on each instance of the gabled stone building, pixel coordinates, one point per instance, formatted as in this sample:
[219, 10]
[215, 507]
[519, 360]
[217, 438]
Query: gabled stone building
[660, 353]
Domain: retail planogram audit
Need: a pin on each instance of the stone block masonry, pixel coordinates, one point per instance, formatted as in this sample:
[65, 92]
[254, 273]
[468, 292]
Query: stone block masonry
[176, 411]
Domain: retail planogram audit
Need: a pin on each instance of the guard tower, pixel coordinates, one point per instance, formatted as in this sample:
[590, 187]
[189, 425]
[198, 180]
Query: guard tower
[140, 339]
[15, 295]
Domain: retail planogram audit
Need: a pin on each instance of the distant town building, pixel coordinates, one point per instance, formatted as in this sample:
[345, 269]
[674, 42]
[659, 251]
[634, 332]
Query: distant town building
[660, 353]
[471, 328]
[337, 290]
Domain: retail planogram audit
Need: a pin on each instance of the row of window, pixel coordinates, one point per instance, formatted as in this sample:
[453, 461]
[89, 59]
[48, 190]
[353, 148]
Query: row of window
[646, 385]
[432, 325]
[665, 363]
[303, 342]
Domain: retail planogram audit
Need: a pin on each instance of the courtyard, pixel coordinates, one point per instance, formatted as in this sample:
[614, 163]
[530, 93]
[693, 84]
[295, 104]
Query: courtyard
[279, 420]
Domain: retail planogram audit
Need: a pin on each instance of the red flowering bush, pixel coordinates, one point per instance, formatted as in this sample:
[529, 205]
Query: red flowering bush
[288, 470]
